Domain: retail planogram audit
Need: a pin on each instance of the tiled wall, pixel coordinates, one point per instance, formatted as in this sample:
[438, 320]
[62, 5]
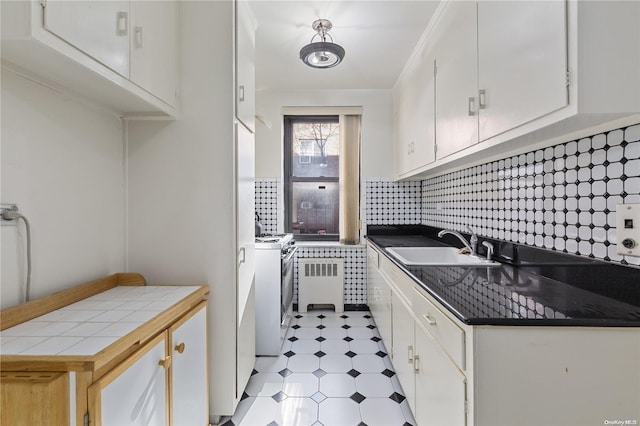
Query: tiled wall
[389, 202]
[561, 198]
[267, 196]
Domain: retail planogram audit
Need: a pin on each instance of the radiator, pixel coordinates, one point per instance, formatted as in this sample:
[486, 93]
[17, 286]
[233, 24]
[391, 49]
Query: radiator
[320, 281]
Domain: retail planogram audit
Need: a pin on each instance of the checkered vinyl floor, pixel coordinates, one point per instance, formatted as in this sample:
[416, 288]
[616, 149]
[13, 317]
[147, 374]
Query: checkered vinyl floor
[333, 371]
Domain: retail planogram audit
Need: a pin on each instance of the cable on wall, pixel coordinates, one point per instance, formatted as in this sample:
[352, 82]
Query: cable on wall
[12, 213]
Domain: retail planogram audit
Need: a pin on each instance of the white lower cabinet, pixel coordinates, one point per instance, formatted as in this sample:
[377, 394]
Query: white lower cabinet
[135, 392]
[163, 383]
[440, 388]
[403, 347]
[379, 296]
[189, 385]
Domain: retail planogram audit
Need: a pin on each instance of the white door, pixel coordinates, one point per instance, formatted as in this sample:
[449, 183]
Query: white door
[135, 392]
[522, 56]
[245, 230]
[403, 348]
[154, 48]
[190, 401]
[98, 28]
[440, 386]
[422, 128]
[456, 78]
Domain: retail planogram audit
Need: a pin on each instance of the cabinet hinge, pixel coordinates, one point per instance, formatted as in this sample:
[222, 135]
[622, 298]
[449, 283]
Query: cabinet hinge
[568, 78]
[85, 419]
[435, 148]
[435, 68]
[43, 3]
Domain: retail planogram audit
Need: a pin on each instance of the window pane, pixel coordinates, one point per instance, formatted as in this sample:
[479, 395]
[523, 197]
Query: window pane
[315, 208]
[315, 149]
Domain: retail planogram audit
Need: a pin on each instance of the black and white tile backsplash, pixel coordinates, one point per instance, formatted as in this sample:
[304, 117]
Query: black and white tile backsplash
[266, 198]
[391, 202]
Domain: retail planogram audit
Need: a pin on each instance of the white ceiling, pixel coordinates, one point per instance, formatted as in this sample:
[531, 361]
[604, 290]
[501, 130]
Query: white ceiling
[377, 35]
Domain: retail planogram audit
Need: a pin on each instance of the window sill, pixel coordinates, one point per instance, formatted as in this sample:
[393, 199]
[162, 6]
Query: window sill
[327, 244]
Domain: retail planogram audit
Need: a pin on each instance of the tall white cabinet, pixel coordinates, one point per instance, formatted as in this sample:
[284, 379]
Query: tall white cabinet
[191, 194]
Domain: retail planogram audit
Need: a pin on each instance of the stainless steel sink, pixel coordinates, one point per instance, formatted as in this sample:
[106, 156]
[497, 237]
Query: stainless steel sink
[437, 256]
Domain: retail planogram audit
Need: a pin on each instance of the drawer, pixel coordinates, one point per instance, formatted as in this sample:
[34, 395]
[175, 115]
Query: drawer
[449, 335]
[401, 283]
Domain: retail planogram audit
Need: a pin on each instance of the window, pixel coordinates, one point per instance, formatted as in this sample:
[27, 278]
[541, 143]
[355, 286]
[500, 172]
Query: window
[311, 172]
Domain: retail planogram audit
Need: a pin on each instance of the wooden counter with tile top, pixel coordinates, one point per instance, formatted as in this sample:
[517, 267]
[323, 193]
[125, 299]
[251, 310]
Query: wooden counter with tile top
[66, 358]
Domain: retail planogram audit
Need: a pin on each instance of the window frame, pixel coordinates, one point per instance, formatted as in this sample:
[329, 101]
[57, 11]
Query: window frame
[289, 179]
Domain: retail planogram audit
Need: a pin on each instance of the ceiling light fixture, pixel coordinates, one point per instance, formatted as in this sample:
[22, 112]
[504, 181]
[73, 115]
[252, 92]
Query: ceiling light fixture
[322, 54]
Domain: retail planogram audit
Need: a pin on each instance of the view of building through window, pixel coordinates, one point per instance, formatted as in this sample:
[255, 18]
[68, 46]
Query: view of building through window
[312, 171]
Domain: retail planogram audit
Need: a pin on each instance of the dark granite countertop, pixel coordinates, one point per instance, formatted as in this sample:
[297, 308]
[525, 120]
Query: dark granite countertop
[531, 287]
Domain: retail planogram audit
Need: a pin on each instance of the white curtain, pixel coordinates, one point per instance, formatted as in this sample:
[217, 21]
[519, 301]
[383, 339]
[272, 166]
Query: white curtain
[350, 179]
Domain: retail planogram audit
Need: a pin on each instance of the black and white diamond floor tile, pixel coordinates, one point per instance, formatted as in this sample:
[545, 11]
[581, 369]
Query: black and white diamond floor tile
[334, 370]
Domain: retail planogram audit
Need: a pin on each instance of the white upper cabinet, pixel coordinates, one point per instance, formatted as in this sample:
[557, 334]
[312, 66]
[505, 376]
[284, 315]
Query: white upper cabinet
[100, 29]
[522, 63]
[456, 78]
[245, 65]
[154, 47]
[512, 76]
[118, 54]
[415, 114]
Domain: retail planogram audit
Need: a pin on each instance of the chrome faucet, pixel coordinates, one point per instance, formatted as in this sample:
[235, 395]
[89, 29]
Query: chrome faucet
[472, 244]
[489, 247]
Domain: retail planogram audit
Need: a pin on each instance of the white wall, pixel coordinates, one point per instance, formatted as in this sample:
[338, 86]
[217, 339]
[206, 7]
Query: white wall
[62, 163]
[377, 127]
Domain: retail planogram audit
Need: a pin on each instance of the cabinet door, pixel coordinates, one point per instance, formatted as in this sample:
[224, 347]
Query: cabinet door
[414, 104]
[245, 288]
[135, 392]
[403, 347]
[456, 78]
[522, 56]
[440, 386]
[245, 65]
[98, 28]
[400, 129]
[154, 47]
[190, 402]
[379, 298]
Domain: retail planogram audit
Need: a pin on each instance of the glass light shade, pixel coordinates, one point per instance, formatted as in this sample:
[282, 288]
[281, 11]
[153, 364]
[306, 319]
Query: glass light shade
[322, 54]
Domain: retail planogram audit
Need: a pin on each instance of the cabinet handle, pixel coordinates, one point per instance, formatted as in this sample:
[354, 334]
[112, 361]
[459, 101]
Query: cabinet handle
[244, 255]
[166, 363]
[472, 107]
[241, 93]
[410, 353]
[123, 23]
[138, 37]
[416, 363]
[482, 94]
[429, 320]
[179, 348]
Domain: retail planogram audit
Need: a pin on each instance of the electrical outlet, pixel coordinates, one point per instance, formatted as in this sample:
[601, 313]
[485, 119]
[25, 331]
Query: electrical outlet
[628, 229]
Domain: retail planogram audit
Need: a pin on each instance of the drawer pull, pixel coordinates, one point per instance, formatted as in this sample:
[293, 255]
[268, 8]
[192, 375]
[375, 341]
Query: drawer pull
[429, 320]
[416, 363]
[410, 353]
[166, 363]
[180, 348]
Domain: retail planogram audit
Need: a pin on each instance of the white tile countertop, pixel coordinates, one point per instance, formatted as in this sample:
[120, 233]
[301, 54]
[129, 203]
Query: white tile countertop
[89, 326]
